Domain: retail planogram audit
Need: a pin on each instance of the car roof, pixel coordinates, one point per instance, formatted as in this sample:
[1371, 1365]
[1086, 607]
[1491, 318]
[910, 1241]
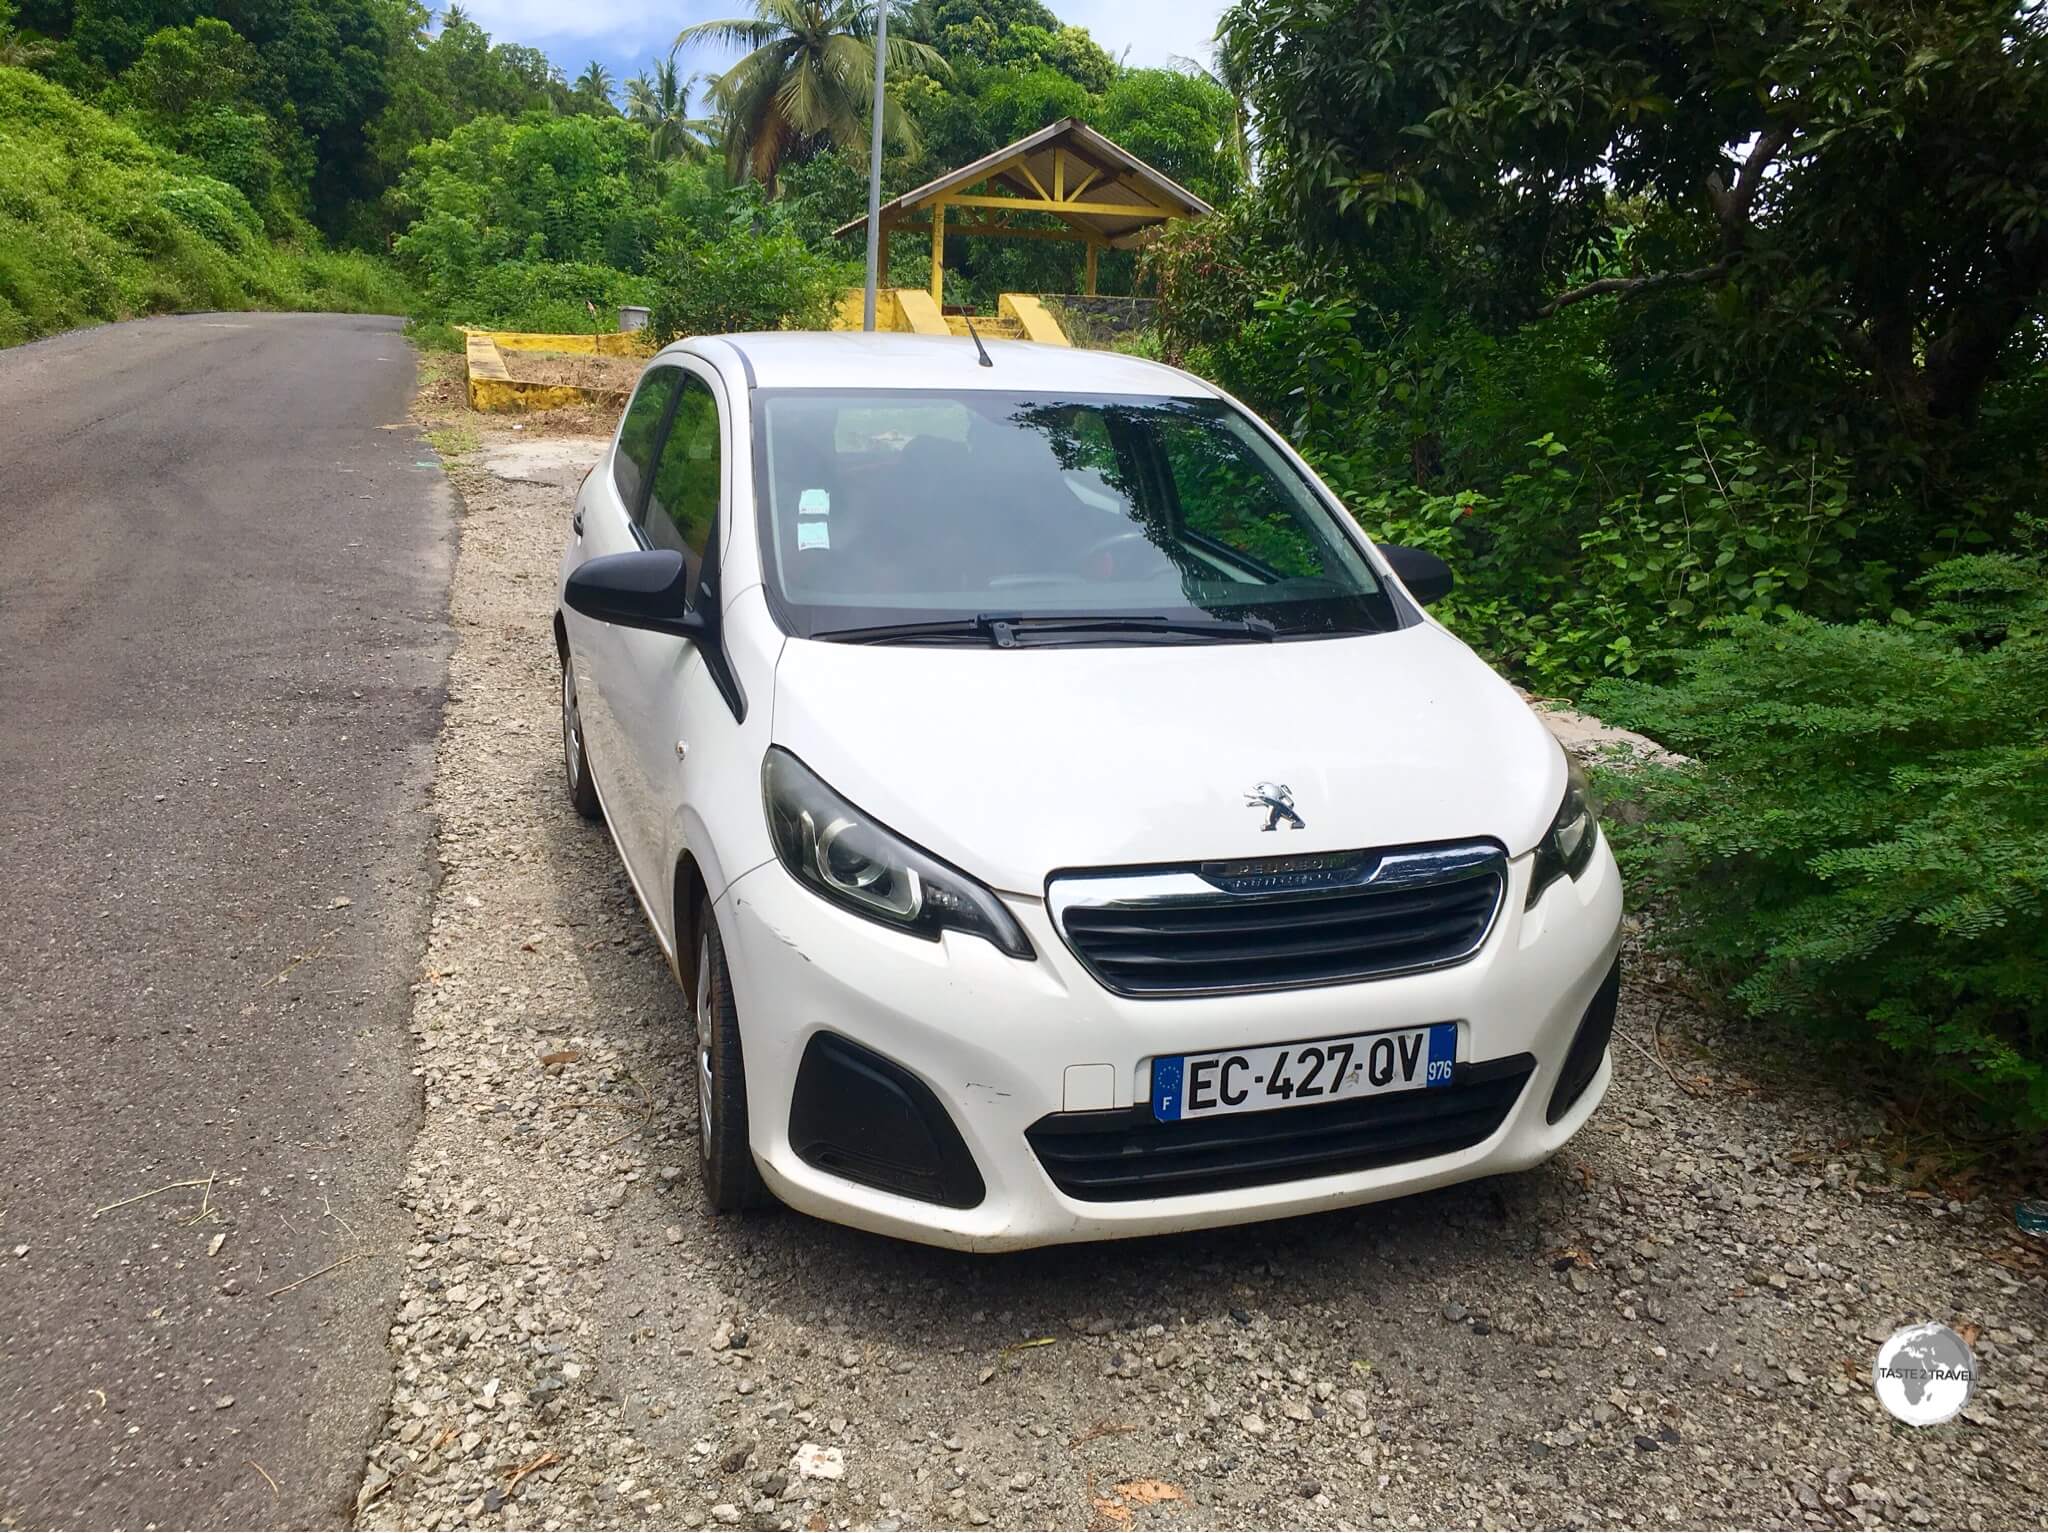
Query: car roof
[835, 359]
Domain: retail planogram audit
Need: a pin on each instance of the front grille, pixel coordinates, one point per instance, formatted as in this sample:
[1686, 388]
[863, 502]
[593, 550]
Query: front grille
[1106, 1157]
[1281, 923]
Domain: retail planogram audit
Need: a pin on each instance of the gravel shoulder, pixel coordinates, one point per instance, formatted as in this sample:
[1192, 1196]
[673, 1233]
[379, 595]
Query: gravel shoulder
[1672, 1324]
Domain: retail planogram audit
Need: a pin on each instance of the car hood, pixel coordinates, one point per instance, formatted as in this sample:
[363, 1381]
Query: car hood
[1014, 763]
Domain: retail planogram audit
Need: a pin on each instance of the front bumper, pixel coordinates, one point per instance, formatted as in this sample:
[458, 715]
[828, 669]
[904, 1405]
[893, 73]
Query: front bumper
[1003, 1044]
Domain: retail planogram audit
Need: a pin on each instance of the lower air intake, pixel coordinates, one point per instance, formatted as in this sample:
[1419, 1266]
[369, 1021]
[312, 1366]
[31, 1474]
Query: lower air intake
[1106, 1157]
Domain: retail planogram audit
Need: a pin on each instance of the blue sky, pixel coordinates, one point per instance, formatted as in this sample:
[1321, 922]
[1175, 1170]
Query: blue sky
[625, 34]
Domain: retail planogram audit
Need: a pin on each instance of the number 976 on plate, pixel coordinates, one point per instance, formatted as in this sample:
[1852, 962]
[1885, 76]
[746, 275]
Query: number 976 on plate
[1303, 1074]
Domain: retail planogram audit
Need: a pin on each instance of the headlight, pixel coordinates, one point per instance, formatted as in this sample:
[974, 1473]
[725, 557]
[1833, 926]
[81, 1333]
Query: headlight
[840, 853]
[1567, 847]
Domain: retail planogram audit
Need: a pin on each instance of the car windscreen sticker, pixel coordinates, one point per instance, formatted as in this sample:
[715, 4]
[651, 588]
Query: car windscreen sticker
[813, 535]
[814, 503]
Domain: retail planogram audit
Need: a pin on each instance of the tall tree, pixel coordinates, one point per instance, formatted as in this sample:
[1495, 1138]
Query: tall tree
[807, 79]
[593, 89]
[660, 102]
[1861, 185]
[1226, 71]
[17, 51]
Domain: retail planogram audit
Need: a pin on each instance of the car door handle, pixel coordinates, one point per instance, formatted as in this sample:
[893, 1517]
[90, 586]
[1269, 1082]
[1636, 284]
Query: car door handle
[576, 521]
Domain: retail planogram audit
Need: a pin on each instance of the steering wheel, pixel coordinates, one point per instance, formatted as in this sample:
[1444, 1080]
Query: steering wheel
[1101, 560]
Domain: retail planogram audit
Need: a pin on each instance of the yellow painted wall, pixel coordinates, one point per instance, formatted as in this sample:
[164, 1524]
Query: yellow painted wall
[902, 309]
[623, 343]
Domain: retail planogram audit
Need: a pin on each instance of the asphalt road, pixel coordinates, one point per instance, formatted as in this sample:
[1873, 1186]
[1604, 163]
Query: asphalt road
[224, 560]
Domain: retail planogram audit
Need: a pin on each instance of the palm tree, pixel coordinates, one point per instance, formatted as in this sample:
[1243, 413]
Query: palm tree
[17, 51]
[807, 78]
[1228, 76]
[659, 101]
[594, 86]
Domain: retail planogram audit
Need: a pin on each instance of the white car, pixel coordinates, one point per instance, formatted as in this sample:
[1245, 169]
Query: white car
[1067, 824]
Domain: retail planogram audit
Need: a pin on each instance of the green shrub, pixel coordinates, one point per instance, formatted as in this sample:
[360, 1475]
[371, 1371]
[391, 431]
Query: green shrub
[216, 210]
[745, 281]
[1563, 578]
[433, 335]
[548, 296]
[563, 190]
[1859, 842]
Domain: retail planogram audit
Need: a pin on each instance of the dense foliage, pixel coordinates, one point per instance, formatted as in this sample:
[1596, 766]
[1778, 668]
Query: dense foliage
[542, 189]
[1864, 182]
[1862, 841]
[746, 279]
[96, 223]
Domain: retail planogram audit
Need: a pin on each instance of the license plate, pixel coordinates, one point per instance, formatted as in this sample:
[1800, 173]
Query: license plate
[1302, 1074]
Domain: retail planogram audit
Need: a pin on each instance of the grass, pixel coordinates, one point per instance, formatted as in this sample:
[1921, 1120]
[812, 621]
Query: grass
[453, 441]
[98, 224]
[433, 335]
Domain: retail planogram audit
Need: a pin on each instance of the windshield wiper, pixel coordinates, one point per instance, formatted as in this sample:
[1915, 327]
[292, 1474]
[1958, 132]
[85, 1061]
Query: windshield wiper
[1004, 630]
[1209, 628]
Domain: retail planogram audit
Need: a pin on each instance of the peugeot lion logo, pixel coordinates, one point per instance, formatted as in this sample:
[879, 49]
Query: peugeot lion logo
[1278, 798]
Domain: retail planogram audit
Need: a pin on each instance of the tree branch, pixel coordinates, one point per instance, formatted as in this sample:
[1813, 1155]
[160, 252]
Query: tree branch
[1731, 211]
[1731, 208]
[1634, 287]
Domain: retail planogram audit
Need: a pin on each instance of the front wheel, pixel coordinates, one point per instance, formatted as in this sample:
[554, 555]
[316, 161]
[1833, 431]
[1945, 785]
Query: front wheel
[576, 760]
[725, 1160]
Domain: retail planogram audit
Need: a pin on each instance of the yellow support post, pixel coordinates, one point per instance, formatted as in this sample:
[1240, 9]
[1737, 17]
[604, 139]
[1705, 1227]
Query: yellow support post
[1088, 286]
[939, 254]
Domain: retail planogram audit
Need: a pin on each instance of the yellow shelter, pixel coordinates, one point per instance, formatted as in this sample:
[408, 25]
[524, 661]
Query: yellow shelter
[1101, 193]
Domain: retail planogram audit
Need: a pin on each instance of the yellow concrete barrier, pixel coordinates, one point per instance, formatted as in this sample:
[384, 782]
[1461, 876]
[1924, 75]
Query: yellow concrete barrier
[1032, 317]
[902, 309]
[493, 389]
[623, 343]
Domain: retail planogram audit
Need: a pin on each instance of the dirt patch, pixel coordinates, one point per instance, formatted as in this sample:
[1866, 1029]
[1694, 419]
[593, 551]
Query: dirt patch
[583, 372]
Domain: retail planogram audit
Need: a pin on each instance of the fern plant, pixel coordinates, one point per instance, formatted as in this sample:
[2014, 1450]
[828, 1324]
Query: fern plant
[1859, 840]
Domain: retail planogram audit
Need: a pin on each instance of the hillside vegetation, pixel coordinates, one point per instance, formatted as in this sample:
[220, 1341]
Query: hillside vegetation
[96, 224]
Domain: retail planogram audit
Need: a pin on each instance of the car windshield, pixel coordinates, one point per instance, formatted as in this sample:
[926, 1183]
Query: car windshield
[969, 514]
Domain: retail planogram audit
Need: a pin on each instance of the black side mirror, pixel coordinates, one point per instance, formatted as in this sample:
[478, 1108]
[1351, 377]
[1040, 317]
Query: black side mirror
[1427, 577]
[644, 589]
[648, 589]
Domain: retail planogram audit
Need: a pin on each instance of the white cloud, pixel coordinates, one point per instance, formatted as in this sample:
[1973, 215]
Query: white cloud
[1153, 31]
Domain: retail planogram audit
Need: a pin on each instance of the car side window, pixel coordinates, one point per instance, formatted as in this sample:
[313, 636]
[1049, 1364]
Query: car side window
[683, 507]
[637, 436]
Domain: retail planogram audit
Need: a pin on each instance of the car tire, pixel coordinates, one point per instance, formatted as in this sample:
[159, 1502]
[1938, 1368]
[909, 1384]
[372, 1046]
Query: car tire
[576, 759]
[725, 1158]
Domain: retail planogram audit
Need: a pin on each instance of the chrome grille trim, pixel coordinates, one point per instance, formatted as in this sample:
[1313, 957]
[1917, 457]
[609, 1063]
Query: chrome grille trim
[1295, 913]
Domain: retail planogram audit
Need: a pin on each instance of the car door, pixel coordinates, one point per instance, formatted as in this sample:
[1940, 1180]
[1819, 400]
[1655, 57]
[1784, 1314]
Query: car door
[608, 512]
[659, 689]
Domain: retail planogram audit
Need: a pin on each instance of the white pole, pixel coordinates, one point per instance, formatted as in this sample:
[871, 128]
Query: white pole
[867, 313]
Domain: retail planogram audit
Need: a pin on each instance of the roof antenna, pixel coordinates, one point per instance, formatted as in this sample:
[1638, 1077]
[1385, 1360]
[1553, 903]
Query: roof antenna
[983, 350]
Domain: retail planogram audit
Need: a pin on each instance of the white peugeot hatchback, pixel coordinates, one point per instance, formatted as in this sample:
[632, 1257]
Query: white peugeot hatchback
[1066, 822]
